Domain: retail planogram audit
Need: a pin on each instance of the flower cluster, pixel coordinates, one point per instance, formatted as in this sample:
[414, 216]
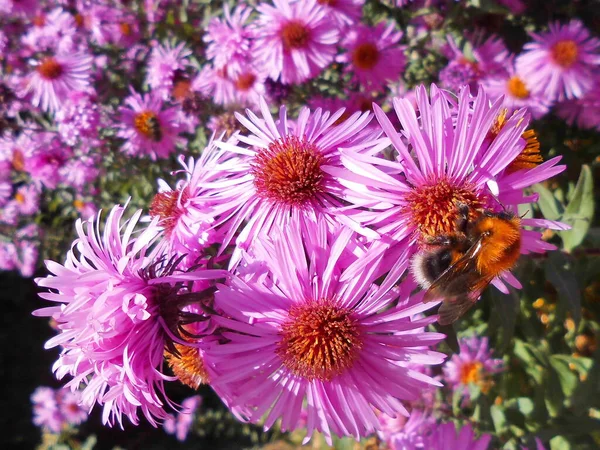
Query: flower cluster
[55, 409]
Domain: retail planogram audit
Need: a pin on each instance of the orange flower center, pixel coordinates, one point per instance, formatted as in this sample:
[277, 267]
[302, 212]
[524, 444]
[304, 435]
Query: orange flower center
[433, 207]
[50, 68]
[39, 21]
[319, 340]
[125, 29]
[78, 204]
[18, 161]
[166, 205]
[365, 56]
[295, 35]
[188, 366]
[565, 53]
[148, 124]
[181, 89]
[20, 198]
[289, 171]
[470, 372]
[245, 81]
[517, 88]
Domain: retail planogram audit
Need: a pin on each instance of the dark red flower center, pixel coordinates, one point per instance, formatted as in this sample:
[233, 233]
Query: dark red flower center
[39, 20]
[295, 34]
[148, 124]
[166, 205]
[365, 56]
[319, 340]
[328, 2]
[50, 68]
[565, 53]
[18, 160]
[433, 207]
[245, 81]
[125, 29]
[289, 171]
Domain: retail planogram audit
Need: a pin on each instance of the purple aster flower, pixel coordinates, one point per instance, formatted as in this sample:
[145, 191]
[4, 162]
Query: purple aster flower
[19, 8]
[344, 12]
[80, 172]
[149, 130]
[463, 151]
[165, 61]
[55, 77]
[295, 40]
[445, 436]
[474, 365]
[562, 62]
[69, 404]
[5, 189]
[279, 176]
[28, 199]
[402, 433]
[518, 93]
[314, 331]
[54, 31]
[180, 425]
[27, 257]
[45, 159]
[45, 409]
[373, 54]
[230, 40]
[8, 255]
[583, 112]
[79, 118]
[120, 307]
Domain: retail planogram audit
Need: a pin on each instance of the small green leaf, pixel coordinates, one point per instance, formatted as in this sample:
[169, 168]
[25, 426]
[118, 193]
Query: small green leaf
[568, 380]
[580, 211]
[558, 271]
[560, 443]
[525, 405]
[551, 208]
[499, 418]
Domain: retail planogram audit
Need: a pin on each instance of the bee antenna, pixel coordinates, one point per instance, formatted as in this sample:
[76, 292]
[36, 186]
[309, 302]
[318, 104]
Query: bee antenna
[524, 214]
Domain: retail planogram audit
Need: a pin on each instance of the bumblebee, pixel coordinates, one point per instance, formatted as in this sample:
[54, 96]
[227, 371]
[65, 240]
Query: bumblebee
[458, 266]
[154, 130]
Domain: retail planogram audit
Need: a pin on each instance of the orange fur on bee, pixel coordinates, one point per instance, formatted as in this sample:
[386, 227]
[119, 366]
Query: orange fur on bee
[501, 244]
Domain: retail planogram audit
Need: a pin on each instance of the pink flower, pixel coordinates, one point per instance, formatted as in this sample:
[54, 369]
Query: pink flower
[53, 31]
[583, 112]
[8, 255]
[402, 433]
[562, 62]
[373, 54]
[45, 410]
[295, 40]
[149, 130]
[180, 425]
[19, 8]
[46, 158]
[518, 93]
[112, 315]
[69, 403]
[473, 366]
[55, 77]
[80, 172]
[463, 151]
[230, 40]
[315, 330]
[344, 12]
[279, 177]
[28, 199]
[79, 118]
[165, 61]
[446, 436]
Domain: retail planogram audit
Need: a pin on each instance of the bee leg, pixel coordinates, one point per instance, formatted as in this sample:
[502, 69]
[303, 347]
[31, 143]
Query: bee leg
[462, 222]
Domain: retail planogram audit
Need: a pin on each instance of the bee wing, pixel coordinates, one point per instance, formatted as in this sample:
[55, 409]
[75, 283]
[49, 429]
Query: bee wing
[455, 307]
[460, 276]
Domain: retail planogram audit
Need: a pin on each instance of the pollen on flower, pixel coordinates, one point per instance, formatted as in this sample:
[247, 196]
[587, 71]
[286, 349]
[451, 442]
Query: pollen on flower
[289, 171]
[295, 35]
[530, 157]
[125, 29]
[188, 366]
[147, 124]
[432, 207]
[365, 56]
[473, 372]
[18, 161]
[564, 53]
[50, 68]
[166, 205]
[20, 198]
[517, 88]
[245, 81]
[320, 340]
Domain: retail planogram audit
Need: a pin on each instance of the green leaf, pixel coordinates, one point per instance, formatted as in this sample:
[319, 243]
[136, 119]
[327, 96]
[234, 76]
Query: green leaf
[560, 443]
[551, 208]
[499, 418]
[558, 271]
[568, 380]
[506, 309]
[525, 405]
[580, 211]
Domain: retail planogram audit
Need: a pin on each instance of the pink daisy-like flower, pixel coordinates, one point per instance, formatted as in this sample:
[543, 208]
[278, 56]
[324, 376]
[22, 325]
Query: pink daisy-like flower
[472, 366]
[583, 112]
[402, 433]
[28, 199]
[45, 158]
[562, 62]
[119, 308]
[344, 12]
[69, 404]
[5, 189]
[19, 8]
[280, 177]
[55, 76]
[180, 425]
[446, 436]
[79, 118]
[52, 31]
[373, 54]
[165, 61]
[230, 40]
[8, 255]
[27, 257]
[517, 92]
[313, 332]
[80, 172]
[45, 409]
[454, 152]
[295, 40]
[148, 129]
